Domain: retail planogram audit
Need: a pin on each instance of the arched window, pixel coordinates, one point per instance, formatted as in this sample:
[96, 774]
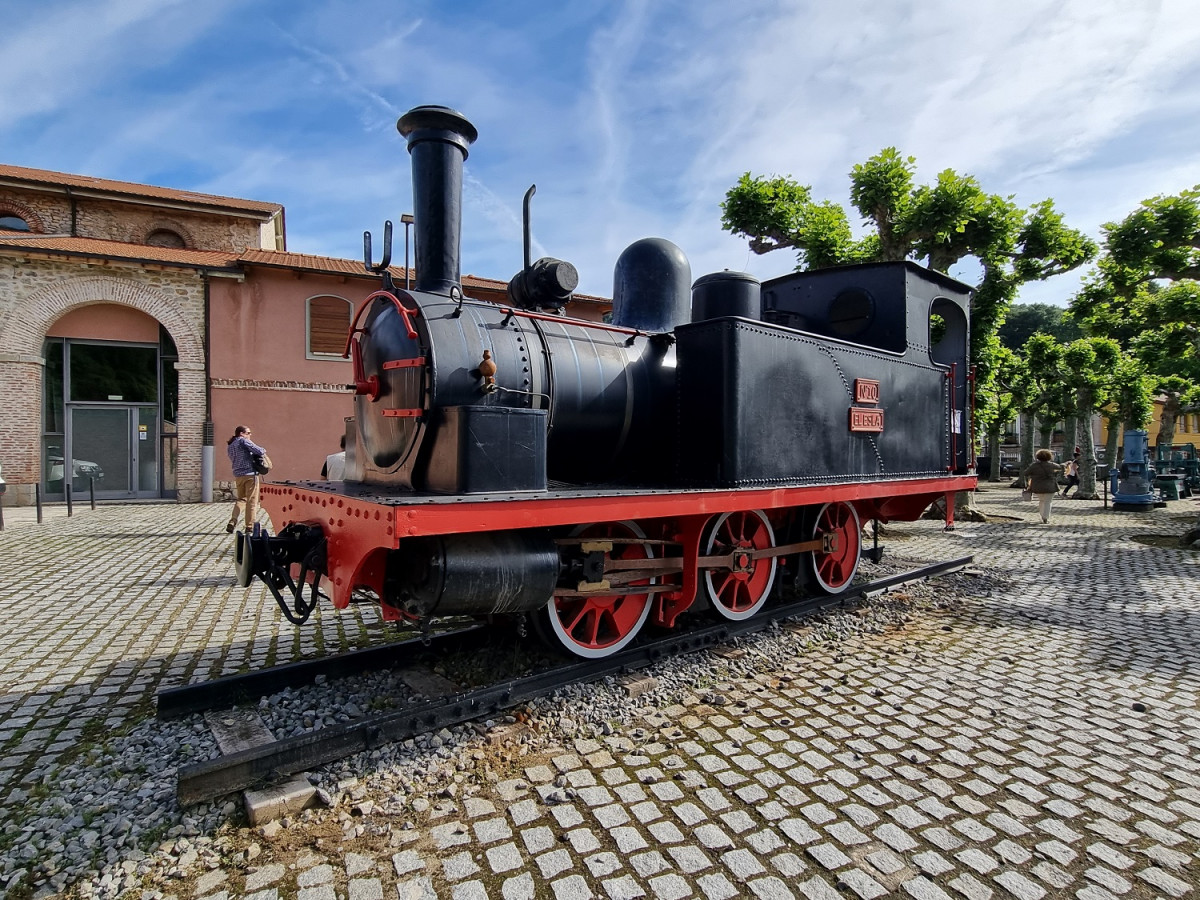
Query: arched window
[13, 223]
[165, 237]
[328, 323]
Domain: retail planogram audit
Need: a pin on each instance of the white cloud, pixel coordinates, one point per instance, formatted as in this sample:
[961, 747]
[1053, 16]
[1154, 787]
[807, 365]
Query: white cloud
[633, 118]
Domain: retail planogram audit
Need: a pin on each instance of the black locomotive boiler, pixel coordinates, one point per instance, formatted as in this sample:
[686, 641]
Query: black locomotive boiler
[715, 440]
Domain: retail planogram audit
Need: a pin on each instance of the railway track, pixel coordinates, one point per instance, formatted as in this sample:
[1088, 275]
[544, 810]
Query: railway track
[248, 768]
[175, 703]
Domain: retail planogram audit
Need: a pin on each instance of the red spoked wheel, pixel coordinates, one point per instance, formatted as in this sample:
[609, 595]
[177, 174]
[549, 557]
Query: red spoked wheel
[739, 590]
[833, 571]
[601, 624]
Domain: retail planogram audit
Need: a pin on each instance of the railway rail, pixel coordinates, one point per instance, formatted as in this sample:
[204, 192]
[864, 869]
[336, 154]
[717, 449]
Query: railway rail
[177, 702]
[248, 768]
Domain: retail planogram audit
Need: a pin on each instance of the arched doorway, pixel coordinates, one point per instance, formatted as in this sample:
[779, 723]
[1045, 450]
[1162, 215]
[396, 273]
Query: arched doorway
[110, 401]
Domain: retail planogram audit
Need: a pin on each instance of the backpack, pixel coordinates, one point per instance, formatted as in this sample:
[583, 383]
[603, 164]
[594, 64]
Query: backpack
[260, 462]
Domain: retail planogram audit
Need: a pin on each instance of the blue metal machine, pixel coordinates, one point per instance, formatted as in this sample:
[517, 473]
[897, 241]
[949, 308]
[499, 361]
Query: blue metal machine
[1133, 481]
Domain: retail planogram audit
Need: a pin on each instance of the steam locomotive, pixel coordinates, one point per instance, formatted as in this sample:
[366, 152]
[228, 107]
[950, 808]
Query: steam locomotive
[713, 442]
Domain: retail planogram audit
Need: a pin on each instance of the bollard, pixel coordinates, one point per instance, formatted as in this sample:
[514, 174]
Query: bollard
[92, 489]
[70, 509]
[37, 499]
[1, 512]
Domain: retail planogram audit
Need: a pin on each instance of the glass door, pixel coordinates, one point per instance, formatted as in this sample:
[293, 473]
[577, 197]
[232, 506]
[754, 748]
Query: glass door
[146, 451]
[100, 451]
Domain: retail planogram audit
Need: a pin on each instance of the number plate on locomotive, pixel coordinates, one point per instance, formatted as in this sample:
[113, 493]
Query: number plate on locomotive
[862, 419]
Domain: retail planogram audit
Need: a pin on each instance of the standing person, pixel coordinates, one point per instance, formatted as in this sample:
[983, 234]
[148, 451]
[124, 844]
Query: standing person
[1073, 473]
[245, 482]
[335, 464]
[1041, 479]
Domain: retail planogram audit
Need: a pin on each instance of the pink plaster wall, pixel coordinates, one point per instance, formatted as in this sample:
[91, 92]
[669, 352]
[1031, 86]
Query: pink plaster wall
[106, 322]
[262, 378]
[297, 429]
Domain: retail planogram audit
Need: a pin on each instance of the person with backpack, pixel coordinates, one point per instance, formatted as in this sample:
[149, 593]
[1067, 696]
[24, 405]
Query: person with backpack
[1073, 473]
[1041, 480]
[242, 451]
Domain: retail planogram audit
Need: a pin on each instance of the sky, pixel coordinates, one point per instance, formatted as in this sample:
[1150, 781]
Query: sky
[632, 118]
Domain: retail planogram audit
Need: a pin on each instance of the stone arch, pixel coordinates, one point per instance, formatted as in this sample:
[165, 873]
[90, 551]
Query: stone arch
[9, 207]
[21, 339]
[24, 335]
[163, 224]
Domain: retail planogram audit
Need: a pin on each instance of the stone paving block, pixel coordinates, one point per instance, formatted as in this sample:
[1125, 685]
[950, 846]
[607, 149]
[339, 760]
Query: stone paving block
[317, 875]
[573, 887]
[862, 884]
[630, 793]
[601, 864]
[689, 859]
[208, 882]
[1164, 881]
[460, 866]
[1107, 879]
[816, 888]
[264, 876]
[407, 861]
[1020, 886]
[583, 840]
[1052, 875]
[554, 863]
[665, 832]
[365, 889]
[647, 864]
[623, 888]
[971, 888]
[1171, 859]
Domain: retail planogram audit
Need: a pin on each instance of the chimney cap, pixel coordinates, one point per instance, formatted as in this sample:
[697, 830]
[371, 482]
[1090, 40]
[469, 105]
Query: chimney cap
[437, 123]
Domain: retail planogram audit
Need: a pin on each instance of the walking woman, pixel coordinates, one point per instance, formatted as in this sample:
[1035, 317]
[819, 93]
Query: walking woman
[245, 482]
[1041, 480]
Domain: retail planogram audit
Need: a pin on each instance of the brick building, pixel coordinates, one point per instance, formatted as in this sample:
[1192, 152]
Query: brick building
[134, 318]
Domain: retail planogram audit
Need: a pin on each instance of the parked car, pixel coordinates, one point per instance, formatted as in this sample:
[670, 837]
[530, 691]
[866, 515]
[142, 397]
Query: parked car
[80, 468]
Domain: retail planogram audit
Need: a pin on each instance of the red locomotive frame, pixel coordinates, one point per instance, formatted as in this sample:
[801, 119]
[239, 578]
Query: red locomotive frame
[360, 531]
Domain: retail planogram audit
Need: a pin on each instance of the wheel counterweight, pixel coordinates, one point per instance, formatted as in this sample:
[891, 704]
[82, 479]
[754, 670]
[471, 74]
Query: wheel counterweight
[598, 625]
[833, 571]
[737, 591]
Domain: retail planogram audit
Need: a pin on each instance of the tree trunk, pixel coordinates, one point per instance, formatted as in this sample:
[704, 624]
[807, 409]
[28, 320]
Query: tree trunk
[1113, 443]
[1026, 460]
[1087, 459]
[1166, 424]
[1070, 436]
[1046, 432]
[993, 440]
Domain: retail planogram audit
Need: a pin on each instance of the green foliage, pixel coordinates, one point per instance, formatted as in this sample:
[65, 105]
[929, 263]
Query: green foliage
[1025, 319]
[1145, 297]
[938, 224]
[1157, 240]
[1131, 393]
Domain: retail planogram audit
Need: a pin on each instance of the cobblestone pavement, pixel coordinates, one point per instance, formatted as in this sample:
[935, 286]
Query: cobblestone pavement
[1039, 740]
[103, 608]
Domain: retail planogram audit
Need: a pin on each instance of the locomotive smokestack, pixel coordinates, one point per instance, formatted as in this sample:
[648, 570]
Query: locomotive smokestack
[438, 138]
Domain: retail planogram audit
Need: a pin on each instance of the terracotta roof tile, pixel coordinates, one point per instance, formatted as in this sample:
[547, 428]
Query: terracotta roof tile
[337, 266]
[310, 263]
[74, 246]
[126, 188]
[220, 259]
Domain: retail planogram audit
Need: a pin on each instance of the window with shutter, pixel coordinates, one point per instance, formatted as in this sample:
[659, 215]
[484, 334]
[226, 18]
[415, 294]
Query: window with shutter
[328, 322]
